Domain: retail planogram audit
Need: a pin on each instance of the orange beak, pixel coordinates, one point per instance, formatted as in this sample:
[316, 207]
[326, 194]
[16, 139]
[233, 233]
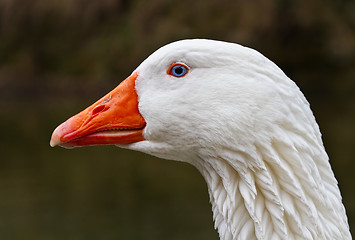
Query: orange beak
[114, 119]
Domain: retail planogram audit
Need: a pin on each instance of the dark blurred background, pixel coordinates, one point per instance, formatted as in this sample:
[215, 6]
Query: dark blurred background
[57, 57]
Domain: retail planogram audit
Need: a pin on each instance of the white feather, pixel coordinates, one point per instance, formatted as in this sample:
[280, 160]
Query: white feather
[249, 130]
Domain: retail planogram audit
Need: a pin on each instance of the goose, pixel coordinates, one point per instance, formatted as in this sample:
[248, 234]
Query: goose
[234, 115]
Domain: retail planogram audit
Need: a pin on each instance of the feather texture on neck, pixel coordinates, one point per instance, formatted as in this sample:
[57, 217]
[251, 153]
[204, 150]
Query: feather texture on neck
[281, 188]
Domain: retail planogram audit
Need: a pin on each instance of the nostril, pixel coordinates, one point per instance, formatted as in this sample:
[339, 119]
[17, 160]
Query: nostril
[98, 109]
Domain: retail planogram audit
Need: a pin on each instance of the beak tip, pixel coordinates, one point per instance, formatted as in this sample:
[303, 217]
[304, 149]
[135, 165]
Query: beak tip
[55, 139]
[52, 143]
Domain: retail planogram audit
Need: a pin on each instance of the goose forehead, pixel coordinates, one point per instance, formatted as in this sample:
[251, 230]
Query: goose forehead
[197, 53]
[229, 64]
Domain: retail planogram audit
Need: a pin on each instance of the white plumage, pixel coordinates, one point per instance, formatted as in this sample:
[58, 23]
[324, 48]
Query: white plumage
[249, 130]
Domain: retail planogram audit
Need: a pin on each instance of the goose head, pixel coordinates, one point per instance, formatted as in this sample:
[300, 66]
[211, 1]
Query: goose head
[223, 93]
[241, 121]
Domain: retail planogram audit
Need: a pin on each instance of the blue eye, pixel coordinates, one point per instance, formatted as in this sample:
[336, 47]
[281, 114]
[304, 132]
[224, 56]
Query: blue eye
[178, 70]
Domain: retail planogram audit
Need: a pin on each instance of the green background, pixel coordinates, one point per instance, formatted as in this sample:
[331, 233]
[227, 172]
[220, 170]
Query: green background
[57, 57]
